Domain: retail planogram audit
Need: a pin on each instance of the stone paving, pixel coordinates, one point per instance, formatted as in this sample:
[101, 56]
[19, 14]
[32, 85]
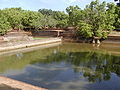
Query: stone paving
[25, 44]
[10, 84]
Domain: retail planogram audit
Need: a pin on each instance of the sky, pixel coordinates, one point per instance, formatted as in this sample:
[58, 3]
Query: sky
[34, 5]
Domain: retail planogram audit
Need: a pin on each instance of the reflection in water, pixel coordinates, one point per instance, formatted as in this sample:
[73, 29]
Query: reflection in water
[94, 65]
[19, 55]
[68, 66]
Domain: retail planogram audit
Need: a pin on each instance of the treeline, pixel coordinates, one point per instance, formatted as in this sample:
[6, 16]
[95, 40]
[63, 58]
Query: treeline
[16, 18]
[95, 20]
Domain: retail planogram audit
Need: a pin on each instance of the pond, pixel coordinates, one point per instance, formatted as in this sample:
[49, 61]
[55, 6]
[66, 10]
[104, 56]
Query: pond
[68, 66]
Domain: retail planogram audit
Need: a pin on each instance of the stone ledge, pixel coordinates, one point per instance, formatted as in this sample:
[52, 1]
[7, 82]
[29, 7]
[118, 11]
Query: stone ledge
[30, 44]
[18, 84]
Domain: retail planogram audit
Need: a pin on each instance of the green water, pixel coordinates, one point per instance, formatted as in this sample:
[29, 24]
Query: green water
[66, 66]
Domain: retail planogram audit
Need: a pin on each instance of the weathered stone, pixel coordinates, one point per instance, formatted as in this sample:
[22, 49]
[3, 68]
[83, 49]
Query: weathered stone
[11, 84]
[93, 41]
[98, 41]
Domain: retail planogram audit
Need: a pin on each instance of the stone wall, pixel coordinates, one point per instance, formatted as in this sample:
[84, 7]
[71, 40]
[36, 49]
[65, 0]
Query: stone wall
[17, 36]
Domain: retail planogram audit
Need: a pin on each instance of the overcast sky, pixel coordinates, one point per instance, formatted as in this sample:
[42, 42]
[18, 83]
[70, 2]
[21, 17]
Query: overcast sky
[49, 4]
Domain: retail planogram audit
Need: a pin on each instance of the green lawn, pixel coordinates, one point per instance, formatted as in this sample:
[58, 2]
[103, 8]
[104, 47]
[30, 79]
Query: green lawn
[38, 38]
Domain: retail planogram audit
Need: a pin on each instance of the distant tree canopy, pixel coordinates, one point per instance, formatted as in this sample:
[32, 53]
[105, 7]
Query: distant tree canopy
[95, 20]
[4, 24]
[60, 18]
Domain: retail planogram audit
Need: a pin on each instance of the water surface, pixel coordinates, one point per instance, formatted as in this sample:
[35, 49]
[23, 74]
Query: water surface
[67, 66]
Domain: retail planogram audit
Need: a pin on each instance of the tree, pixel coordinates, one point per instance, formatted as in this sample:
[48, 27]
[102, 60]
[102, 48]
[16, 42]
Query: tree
[4, 24]
[85, 30]
[74, 15]
[14, 16]
[98, 19]
[117, 19]
[61, 18]
[48, 21]
[32, 19]
[47, 12]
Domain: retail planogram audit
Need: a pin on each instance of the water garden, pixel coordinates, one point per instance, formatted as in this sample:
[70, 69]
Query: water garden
[53, 62]
[66, 66]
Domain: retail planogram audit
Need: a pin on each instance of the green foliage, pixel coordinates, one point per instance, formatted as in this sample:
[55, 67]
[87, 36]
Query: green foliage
[117, 19]
[4, 24]
[14, 16]
[96, 20]
[85, 30]
[74, 15]
[47, 12]
[59, 19]
[32, 19]
[48, 21]
[62, 19]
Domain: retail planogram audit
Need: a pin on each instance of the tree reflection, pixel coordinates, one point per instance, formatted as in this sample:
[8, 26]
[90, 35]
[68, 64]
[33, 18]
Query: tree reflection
[95, 66]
